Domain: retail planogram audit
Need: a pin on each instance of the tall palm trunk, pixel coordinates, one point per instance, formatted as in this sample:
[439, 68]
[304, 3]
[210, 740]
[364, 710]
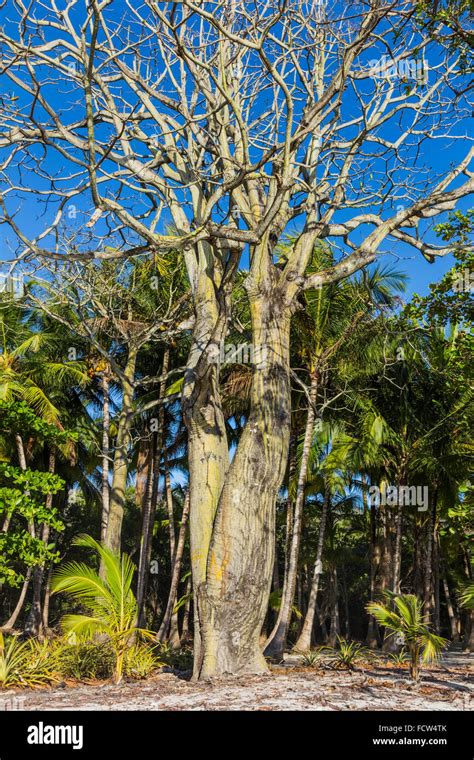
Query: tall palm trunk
[277, 639]
[304, 640]
[120, 467]
[105, 453]
[151, 498]
[372, 640]
[176, 573]
[428, 574]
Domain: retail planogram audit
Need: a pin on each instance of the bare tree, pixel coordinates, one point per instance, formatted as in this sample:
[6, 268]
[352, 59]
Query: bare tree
[235, 122]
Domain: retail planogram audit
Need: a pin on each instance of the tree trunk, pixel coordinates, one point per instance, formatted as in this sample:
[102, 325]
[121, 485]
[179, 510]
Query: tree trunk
[34, 623]
[428, 574]
[31, 529]
[176, 573]
[277, 641]
[185, 630]
[120, 467]
[372, 640]
[232, 516]
[105, 453]
[304, 640]
[453, 621]
[47, 597]
[151, 498]
[334, 629]
[10, 623]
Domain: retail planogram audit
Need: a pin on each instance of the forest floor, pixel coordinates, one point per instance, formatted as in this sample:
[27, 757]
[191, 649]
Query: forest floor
[445, 686]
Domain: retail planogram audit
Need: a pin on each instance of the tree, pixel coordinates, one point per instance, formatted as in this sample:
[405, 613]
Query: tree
[406, 619]
[239, 125]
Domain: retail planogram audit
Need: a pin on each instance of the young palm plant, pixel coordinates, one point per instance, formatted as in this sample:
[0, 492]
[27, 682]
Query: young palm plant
[402, 614]
[110, 602]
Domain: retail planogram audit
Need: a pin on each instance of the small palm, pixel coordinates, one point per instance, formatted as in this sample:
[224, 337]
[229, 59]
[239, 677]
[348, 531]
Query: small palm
[403, 615]
[110, 600]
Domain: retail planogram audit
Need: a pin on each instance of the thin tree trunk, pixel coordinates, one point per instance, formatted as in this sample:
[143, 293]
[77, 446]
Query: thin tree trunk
[31, 529]
[428, 575]
[303, 643]
[105, 453]
[147, 525]
[149, 507]
[167, 617]
[397, 557]
[47, 597]
[120, 467]
[453, 621]
[372, 639]
[34, 624]
[334, 629]
[169, 507]
[10, 623]
[277, 641]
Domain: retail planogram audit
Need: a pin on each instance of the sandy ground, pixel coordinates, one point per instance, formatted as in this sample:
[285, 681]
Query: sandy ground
[447, 686]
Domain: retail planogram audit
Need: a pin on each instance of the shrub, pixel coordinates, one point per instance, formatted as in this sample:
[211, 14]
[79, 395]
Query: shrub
[346, 654]
[26, 663]
[86, 660]
[140, 661]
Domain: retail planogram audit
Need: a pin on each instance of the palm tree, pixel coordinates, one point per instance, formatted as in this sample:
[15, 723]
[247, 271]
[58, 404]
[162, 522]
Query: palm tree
[109, 599]
[331, 319]
[403, 615]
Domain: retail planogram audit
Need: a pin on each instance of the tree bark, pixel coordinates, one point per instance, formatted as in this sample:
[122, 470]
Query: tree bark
[428, 574]
[334, 628]
[113, 533]
[277, 641]
[105, 456]
[304, 640]
[150, 502]
[372, 640]
[232, 516]
[34, 624]
[453, 621]
[176, 573]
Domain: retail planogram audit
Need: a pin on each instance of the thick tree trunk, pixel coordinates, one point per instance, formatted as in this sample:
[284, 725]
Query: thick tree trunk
[277, 641]
[232, 517]
[105, 453]
[304, 640]
[120, 467]
[176, 573]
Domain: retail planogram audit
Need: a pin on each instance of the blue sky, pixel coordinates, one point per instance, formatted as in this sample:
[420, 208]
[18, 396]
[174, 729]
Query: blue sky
[433, 159]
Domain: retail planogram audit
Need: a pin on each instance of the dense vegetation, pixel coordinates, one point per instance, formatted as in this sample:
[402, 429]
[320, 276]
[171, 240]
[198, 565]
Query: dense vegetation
[91, 416]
